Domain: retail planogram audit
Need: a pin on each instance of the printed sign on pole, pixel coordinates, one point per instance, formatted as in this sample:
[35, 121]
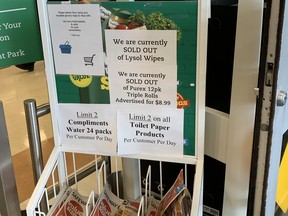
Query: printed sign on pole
[150, 132]
[88, 127]
[141, 46]
[152, 85]
[77, 39]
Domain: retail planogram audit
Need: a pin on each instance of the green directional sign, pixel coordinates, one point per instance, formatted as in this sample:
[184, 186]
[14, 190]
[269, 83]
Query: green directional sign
[20, 39]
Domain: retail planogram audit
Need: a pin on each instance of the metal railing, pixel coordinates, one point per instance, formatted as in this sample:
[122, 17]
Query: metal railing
[32, 113]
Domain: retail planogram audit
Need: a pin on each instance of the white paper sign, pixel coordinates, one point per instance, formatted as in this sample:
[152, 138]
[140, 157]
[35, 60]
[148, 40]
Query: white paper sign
[141, 46]
[150, 132]
[77, 38]
[88, 127]
[143, 85]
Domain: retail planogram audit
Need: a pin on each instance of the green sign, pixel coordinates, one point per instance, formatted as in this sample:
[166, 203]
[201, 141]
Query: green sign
[95, 89]
[20, 40]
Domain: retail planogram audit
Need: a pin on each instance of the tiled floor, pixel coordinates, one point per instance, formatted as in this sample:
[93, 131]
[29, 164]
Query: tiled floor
[16, 86]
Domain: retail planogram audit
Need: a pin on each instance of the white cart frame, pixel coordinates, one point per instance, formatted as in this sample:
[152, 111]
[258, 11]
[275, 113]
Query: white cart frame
[56, 155]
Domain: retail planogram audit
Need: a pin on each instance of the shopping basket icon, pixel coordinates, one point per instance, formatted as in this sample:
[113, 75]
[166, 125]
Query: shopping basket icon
[89, 60]
[65, 48]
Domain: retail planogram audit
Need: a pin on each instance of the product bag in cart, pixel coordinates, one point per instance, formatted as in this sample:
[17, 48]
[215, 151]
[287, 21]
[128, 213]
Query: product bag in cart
[130, 92]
